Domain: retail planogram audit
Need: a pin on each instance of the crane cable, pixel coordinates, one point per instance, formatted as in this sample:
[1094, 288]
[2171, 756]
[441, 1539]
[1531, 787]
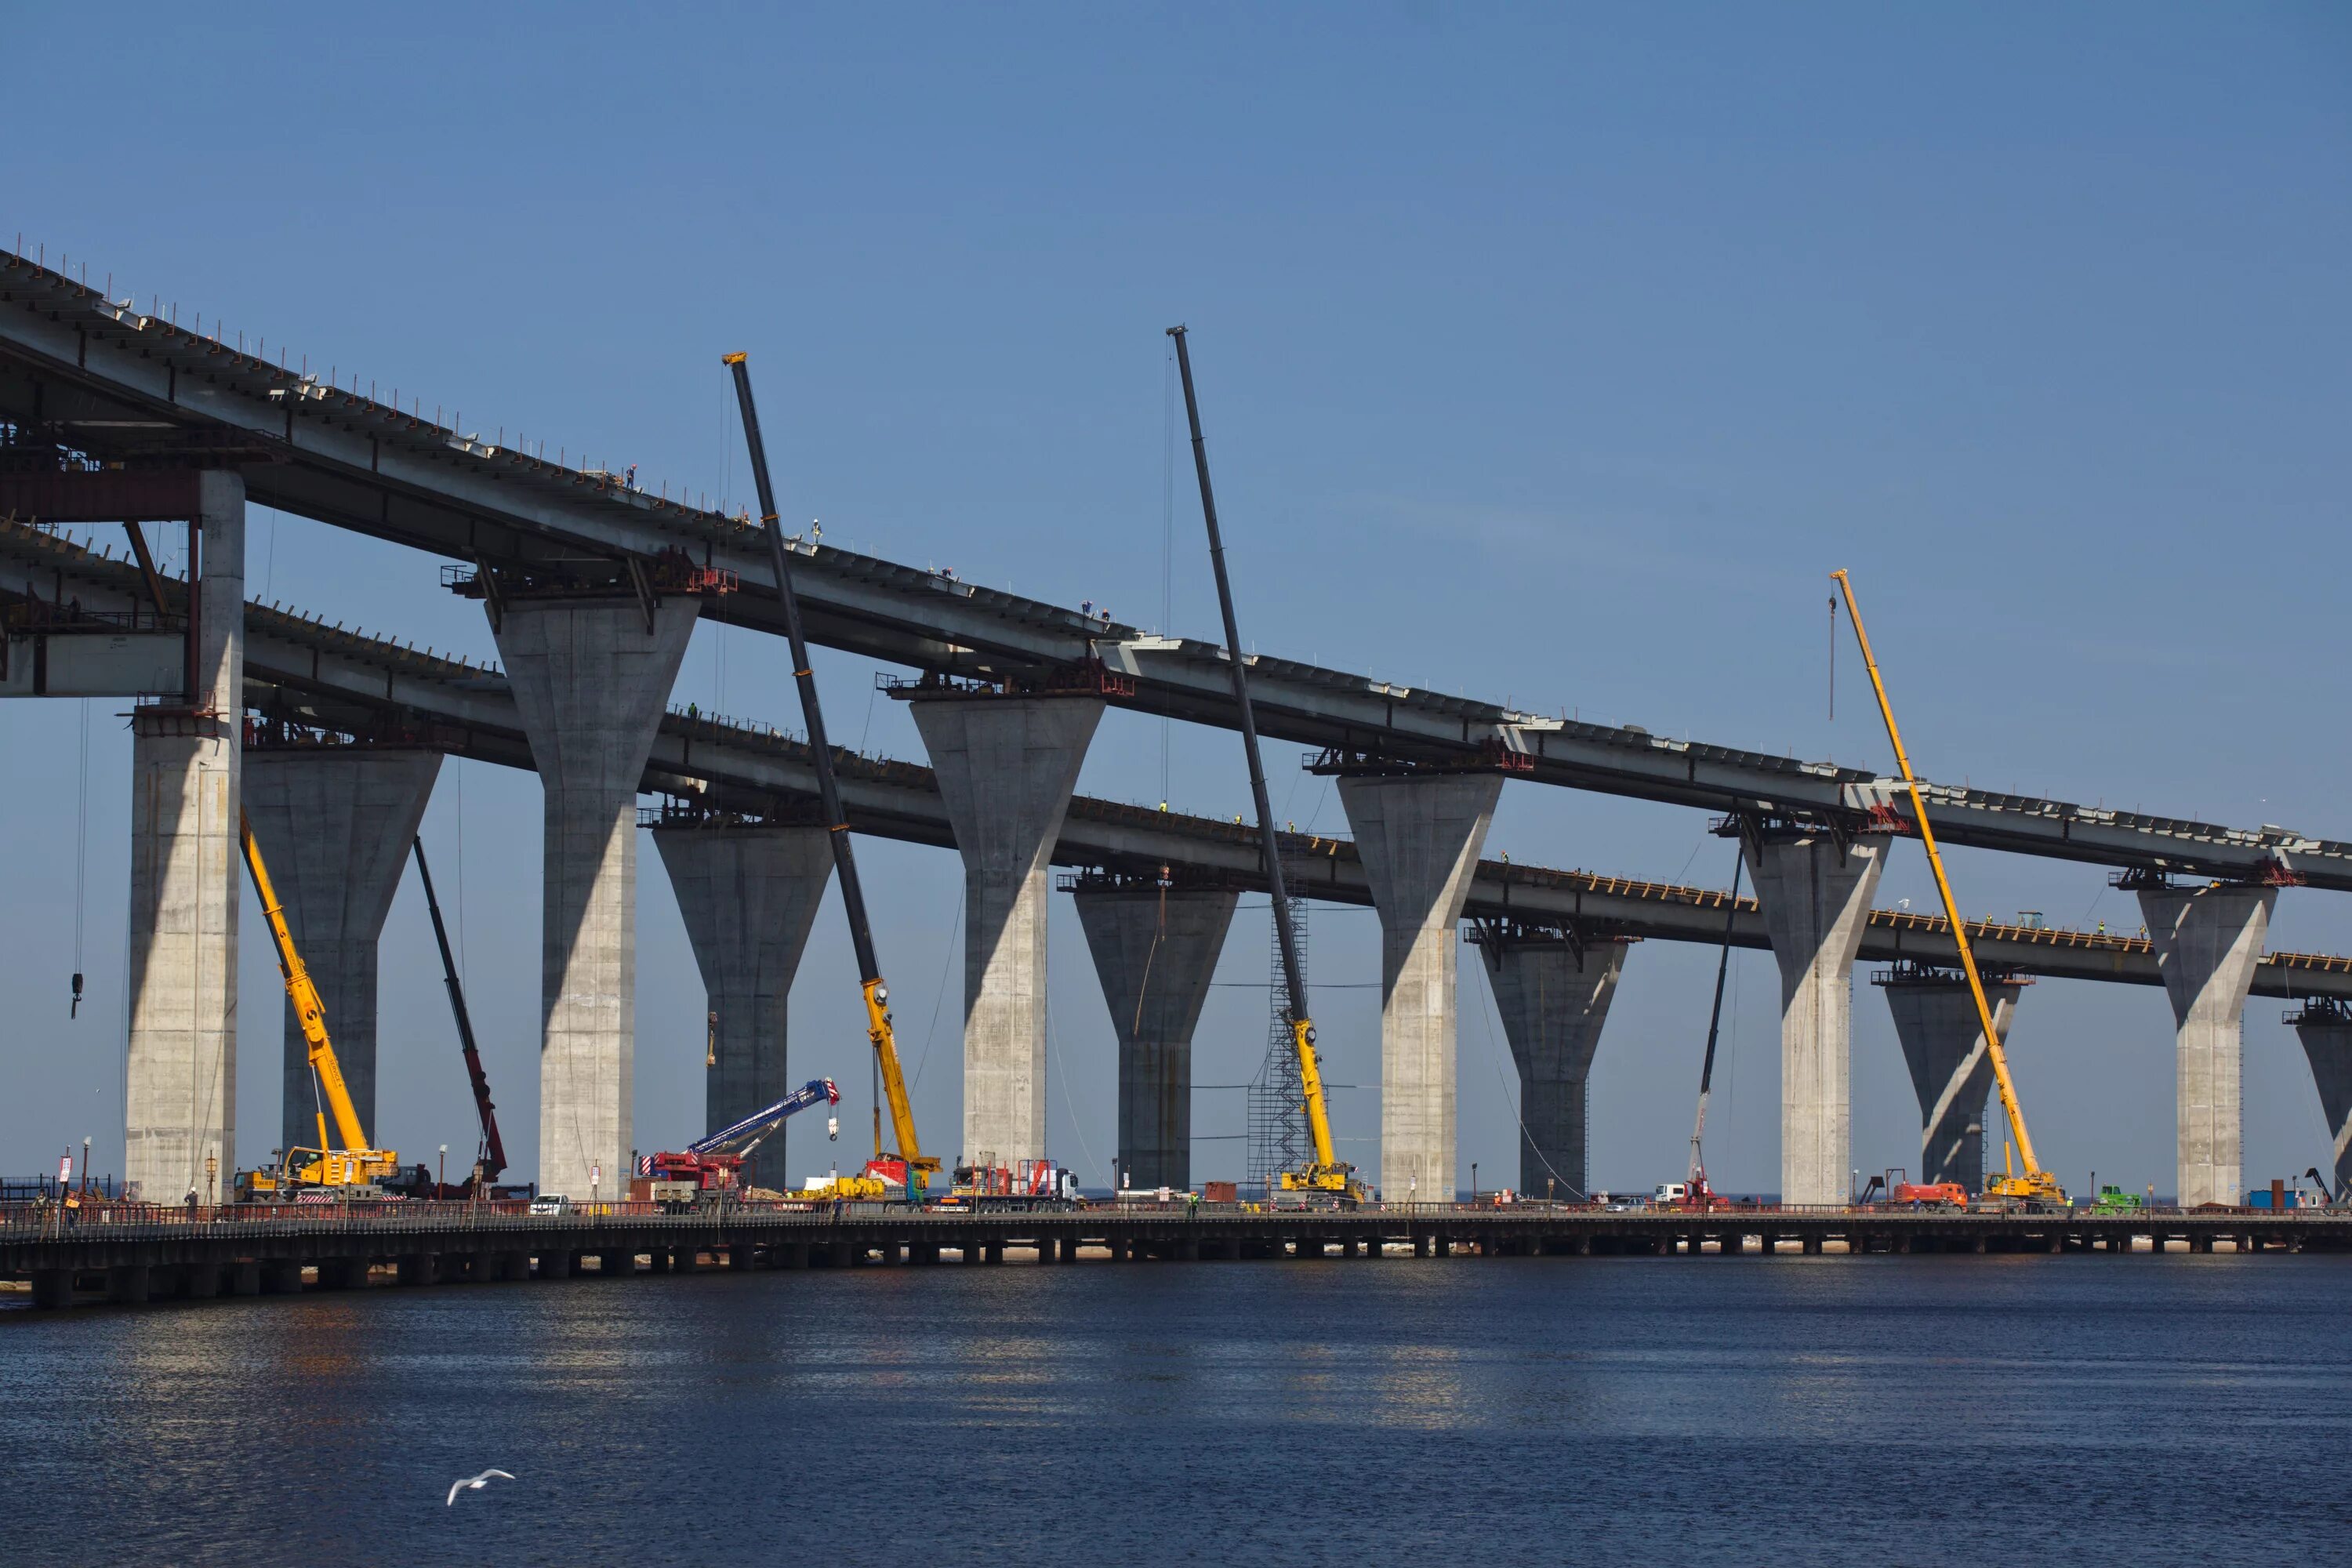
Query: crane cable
[81, 861]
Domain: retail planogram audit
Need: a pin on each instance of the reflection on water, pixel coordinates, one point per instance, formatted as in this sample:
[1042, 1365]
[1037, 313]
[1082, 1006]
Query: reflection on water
[1598, 1410]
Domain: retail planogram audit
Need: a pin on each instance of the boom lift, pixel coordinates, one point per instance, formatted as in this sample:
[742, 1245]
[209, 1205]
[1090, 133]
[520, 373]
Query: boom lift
[713, 1167]
[491, 1156]
[1326, 1176]
[347, 1160]
[909, 1165]
[2037, 1187]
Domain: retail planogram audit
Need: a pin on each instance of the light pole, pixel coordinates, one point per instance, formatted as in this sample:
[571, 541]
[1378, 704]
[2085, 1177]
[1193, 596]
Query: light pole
[1473, 1181]
[441, 1176]
[212, 1170]
[85, 1164]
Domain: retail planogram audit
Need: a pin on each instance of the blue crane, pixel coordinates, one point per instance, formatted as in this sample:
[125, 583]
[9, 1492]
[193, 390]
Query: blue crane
[754, 1127]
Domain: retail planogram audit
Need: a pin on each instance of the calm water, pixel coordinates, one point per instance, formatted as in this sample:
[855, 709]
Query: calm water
[1870, 1410]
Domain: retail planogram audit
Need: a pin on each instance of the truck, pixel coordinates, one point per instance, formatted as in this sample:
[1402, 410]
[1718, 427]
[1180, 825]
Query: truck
[711, 1169]
[1027, 1184]
[2113, 1199]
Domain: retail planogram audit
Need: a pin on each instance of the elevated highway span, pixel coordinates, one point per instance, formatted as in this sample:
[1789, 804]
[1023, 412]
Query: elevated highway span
[356, 684]
[109, 380]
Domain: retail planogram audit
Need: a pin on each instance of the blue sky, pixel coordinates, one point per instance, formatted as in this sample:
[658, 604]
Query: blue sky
[1548, 355]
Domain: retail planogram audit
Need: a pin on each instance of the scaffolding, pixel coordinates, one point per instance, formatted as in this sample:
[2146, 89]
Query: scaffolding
[1279, 1140]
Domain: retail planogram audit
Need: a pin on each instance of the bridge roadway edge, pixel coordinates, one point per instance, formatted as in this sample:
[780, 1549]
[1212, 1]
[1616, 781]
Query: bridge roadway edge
[197, 1260]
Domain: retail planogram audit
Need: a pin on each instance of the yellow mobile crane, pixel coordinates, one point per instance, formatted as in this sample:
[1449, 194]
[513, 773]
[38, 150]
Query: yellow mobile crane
[2036, 1186]
[909, 1165]
[347, 1160]
[1327, 1173]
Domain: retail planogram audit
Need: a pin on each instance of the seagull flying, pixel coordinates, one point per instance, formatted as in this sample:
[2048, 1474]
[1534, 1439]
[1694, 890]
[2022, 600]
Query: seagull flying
[474, 1484]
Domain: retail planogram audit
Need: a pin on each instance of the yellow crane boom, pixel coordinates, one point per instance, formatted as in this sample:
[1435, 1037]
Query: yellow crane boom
[2036, 1182]
[347, 1158]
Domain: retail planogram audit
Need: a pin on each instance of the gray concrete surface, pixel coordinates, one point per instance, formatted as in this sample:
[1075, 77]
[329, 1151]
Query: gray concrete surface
[179, 1074]
[2327, 1046]
[1553, 1003]
[1155, 950]
[1816, 900]
[335, 824]
[749, 896]
[1419, 837]
[591, 683]
[2208, 941]
[1952, 1071]
[1005, 767]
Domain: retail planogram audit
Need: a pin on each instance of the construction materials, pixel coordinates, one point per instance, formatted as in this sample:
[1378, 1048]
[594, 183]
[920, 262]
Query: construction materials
[491, 1154]
[710, 1168]
[917, 1167]
[1027, 1184]
[346, 1160]
[2036, 1188]
[1326, 1176]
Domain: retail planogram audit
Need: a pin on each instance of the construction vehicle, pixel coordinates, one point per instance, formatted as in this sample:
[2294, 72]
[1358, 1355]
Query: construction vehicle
[912, 1166]
[1895, 1183]
[2334, 1192]
[346, 1160]
[1326, 1177]
[2036, 1189]
[1028, 1185]
[1697, 1193]
[490, 1152]
[711, 1169]
[2113, 1199]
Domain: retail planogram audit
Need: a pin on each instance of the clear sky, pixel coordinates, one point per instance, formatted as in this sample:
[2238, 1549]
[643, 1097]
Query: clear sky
[1550, 354]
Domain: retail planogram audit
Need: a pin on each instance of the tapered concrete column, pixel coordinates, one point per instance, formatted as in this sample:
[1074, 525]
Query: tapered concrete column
[1951, 1070]
[1816, 901]
[2327, 1036]
[1553, 1000]
[2208, 941]
[749, 896]
[591, 682]
[180, 1078]
[1419, 839]
[334, 823]
[1006, 766]
[1155, 950]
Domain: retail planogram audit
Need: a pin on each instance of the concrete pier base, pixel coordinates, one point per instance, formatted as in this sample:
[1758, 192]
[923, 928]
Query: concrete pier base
[1553, 995]
[129, 1283]
[1418, 836]
[180, 1076]
[1155, 950]
[590, 683]
[2327, 1036]
[420, 1268]
[1005, 767]
[280, 1276]
[749, 896]
[242, 1279]
[1816, 901]
[53, 1287]
[335, 824]
[342, 1273]
[1951, 1069]
[200, 1282]
[555, 1266]
[2208, 941]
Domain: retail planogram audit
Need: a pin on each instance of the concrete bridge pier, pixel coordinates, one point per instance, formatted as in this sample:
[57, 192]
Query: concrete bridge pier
[2326, 1032]
[749, 896]
[590, 680]
[53, 1287]
[335, 824]
[180, 1076]
[2208, 941]
[1816, 895]
[1005, 767]
[1418, 836]
[1155, 950]
[1951, 1069]
[1553, 994]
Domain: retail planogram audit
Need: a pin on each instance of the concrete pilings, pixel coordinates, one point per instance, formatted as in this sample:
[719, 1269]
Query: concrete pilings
[591, 681]
[1951, 1070]
[2327, 1036]
[749, 896]
[1816, 901]
[180, 1076]
[1554, 998]
[1005, 767]
[1418, 836]
[334, 823]
[1155, 950]
[2208, 941]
